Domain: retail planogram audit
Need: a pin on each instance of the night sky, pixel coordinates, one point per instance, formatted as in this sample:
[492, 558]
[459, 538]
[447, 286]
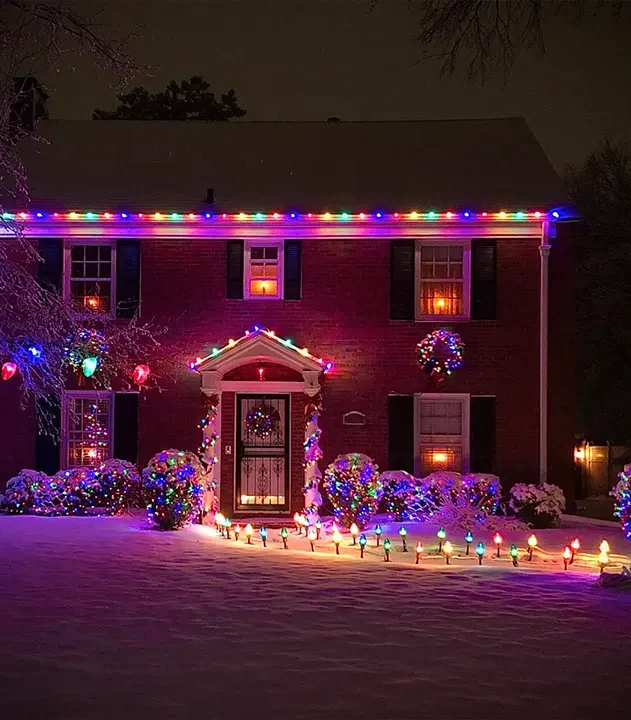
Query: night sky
[311, 59]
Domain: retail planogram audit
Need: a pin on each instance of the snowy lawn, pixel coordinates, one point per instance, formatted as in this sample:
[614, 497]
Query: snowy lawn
[100, 618]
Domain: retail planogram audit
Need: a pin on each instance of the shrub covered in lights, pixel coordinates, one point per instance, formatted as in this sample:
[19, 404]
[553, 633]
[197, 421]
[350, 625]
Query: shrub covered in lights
[174, 482]
[540, 506]
[69, 492]
[396, 490]
[353, 485]
[118, 485]
[20, 492]
[622, 495]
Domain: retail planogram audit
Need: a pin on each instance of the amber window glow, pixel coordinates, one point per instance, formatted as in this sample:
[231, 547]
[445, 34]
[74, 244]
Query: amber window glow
[442, 280]
[264, 271]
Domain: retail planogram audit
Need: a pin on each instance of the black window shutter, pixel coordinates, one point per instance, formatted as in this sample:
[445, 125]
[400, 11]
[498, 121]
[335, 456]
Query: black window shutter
[402, 289]
[46, 446]
[482, 434]
[292, 270]
[127, 277]
[234, 269]
[401, 432]
[50, 270]
[483, 279]
[126, 427]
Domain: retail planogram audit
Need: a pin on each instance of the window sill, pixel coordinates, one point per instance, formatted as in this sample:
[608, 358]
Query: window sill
[442, 318]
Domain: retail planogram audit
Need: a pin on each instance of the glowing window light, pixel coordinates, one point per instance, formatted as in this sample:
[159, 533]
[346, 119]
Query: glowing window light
[439, 457]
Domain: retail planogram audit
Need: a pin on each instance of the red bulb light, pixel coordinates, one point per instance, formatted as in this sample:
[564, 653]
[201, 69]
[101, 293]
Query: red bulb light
[8, 370]
[141, 374]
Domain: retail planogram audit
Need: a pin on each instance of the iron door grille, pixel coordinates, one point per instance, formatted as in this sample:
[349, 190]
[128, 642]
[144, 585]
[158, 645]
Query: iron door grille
[262, 462]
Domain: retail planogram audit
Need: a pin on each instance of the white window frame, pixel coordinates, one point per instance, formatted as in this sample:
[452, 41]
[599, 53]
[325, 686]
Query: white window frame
[466, 278]
[249, 244]
[94, 395]
[67, 273]
[465, 400]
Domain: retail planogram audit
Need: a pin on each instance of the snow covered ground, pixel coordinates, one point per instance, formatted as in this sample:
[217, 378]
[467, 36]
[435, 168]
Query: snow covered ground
[101, 618]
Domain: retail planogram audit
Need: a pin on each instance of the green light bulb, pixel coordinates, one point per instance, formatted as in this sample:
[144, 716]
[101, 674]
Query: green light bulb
[387, 544]
[480, 549]
[89, 366]
[284, 532]
[513, 551]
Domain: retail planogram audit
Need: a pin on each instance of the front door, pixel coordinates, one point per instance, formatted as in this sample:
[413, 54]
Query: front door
[262, 462]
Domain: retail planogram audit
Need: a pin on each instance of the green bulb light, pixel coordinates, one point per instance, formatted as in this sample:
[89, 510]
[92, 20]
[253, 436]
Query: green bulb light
[480, 549]
[89, 366]
[387, 545]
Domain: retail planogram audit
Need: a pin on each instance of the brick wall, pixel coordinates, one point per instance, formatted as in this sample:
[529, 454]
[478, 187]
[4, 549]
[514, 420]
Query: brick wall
[344, 316]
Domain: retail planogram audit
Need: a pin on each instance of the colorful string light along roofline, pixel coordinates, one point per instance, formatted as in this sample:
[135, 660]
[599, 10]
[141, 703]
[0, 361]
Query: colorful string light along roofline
[327, 365]
[414, 215]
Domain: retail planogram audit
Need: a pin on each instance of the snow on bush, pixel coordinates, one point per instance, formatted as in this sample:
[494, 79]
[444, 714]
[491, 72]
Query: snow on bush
[397, 487]
[353, 485]
[119, 485]
[452, 500]
[622, 495]
[19, 494]
[69, 492]
[174, 483]
[538, 505]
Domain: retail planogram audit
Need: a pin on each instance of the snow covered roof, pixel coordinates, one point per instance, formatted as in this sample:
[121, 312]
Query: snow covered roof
[250, 166]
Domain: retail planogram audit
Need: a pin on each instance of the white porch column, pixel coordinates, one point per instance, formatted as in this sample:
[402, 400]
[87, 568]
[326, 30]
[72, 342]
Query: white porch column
[544, 252]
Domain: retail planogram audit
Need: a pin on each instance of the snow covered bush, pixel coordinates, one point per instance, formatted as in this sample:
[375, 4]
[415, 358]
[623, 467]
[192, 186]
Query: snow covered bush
[174, 483]
[538, 505]
[68, 492]
[19, 494]
[353, 485]
[453, 500]
[397, 487]
[119, 485]
[622, 495]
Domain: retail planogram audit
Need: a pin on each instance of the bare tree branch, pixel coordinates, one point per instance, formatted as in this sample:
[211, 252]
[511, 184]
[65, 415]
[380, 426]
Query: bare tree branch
[484, 36]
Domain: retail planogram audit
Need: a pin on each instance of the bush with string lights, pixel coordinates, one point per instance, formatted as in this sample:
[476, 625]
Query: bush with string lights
[353, 486]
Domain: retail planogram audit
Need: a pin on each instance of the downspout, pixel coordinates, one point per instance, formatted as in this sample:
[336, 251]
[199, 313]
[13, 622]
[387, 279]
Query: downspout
[544, 252]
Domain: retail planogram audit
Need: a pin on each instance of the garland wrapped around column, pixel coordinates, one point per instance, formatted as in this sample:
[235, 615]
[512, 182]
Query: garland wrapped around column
[313, 454]
[208, 455]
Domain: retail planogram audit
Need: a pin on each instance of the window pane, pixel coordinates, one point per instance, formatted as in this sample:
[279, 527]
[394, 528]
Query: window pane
[91, 269]
[106, 253]
[77, 270]
[455, 270]
[441, 418]
[105, 270]
[257, 253]
[447, 458]
[271, 253]
[441, 253]
[455, 253]
[427, 253]
[440, 298]
[77, 252]
[91, 252]
[88, 430]
[440, 270]
[264, 288]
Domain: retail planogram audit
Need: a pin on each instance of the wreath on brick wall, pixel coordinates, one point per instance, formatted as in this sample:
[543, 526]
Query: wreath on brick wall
[440, 353]
[262, 420]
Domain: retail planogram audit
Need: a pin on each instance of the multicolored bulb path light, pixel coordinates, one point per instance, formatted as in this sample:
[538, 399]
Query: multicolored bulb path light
[480, 551]
[337, 539]
[604, 547]
[603, 560]
[318, 527]
[378, 531]
[498, 540]
[514, 553]
[297, 522]
[532, 544]
[403, 535]
[284, 533]
[448, 550]
[354, 531]
[441, 535]
[468, 538]
[263, 535]
[575, 546]
[237, 531]
[363, 541]
[312, 535]
[387, 546]
[249, 530]
[418, 551]
[219, 518]
[567, 556]
[227, 523]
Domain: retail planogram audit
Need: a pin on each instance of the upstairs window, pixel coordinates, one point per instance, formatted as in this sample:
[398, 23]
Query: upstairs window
[443, 431]
[442, 280]
[263, 270]
[89, 277]
[86, 428]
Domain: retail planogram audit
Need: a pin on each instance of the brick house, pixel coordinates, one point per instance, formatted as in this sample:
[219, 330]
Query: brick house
[354, 240]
